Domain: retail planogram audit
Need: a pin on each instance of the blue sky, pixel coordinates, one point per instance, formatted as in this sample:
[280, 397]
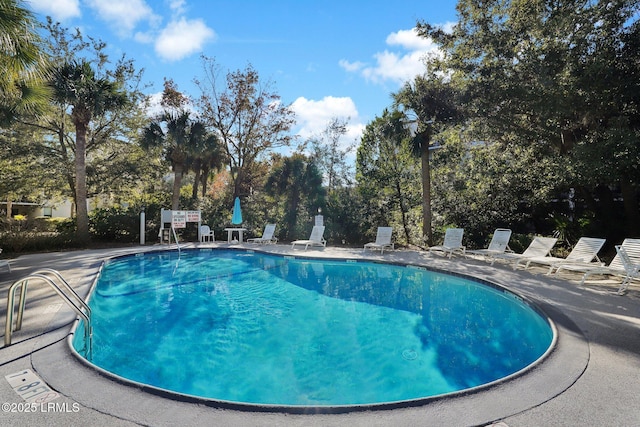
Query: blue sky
[325, 58]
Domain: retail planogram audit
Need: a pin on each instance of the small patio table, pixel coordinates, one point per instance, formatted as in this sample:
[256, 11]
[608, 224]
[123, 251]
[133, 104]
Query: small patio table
[230, 233]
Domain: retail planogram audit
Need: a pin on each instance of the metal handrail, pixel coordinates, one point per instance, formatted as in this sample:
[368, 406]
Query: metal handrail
[66, 286]
[175, 236]
[44, 275]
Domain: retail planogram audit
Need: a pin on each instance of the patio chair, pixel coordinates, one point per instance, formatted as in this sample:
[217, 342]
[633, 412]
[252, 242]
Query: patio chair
[539, 247]
[5, 262]
[315, 239]
[206, 234]
[498, 245]
[615, 267]
[584, 252]
[267, 235]
[452, 242]
[631, 267]
[383, 240]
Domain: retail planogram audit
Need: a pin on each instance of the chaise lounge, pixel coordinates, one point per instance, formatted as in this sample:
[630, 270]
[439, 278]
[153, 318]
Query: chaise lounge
[615, 267]
[267, 235]
[315, 239]
[631, 267]
[539, 247]
[498, 245]
[452, 242]
[383, 240]
[583, 253]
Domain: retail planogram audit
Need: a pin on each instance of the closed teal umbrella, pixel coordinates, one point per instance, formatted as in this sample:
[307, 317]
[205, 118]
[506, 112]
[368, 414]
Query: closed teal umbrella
[237, 212]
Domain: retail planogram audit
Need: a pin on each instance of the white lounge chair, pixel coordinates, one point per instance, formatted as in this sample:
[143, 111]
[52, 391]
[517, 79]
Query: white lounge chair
[631, 267]
[267, 235]
[452, 242]
[498, 245]
[315, 239]
[383, 240]
[5, 262]
[584, 252]
[206, 234]
[539, 247]
[615, 267]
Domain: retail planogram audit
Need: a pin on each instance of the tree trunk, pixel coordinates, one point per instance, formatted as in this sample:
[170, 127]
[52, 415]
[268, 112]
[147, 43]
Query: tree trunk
[405, 224]
[9, 207]
[237, 183]
[291, 217]
[204, 178]
[196, 181]
[632, 213]
[82, 215]
[426, 191]
[177, 183]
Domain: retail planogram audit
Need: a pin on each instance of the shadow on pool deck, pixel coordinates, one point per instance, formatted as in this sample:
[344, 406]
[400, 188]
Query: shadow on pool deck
[591, 377]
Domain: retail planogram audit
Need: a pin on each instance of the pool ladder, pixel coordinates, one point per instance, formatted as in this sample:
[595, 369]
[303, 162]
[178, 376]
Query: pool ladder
[55, 280]
[175, 236]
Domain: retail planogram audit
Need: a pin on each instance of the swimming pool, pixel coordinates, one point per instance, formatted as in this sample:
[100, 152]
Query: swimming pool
[241, 326]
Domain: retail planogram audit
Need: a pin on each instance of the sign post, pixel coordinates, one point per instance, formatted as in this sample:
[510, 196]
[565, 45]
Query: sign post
[170, 219]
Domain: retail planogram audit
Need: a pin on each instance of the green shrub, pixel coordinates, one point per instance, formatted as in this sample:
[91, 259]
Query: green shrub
[29, 241]
[115, 225]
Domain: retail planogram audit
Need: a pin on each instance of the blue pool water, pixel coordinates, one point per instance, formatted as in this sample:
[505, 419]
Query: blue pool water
[263, 329]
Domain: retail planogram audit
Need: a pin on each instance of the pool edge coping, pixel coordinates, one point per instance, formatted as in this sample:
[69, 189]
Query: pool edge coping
[422, 403]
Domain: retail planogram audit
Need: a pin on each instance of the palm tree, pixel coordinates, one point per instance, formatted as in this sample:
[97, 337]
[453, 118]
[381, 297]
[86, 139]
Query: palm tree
[433, 102]
[207, 155]
[22, 63]
[297, 180]
[76, 85]
[181, 140]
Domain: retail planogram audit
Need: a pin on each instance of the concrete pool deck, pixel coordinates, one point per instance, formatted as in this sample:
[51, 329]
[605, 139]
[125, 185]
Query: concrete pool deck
[591, 378]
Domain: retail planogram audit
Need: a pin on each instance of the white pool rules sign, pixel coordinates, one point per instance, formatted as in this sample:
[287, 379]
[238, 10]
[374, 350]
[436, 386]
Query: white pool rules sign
[179, 219]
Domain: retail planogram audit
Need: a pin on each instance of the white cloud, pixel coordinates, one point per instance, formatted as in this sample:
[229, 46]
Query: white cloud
[410, 40]
[153, 107]
[183, 37]
[143, 37]
[123, 15]
[314, 116]
[352, 66]
[59, 10]
[396, 65]
[178, 6]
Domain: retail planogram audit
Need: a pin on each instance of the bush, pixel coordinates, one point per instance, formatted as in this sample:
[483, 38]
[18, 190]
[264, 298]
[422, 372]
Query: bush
[30, 241]
[115, 225]
[122, 225]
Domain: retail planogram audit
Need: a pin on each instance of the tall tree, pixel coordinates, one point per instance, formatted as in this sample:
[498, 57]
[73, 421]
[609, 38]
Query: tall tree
[75, 84]
[22, 62]
[112, 165]
[298, 181]
[248, 116]
[27, 173]
[430, 103]
[181, 139]
[388, 174]
[329, 154]
[563, 77]
[208, 155]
